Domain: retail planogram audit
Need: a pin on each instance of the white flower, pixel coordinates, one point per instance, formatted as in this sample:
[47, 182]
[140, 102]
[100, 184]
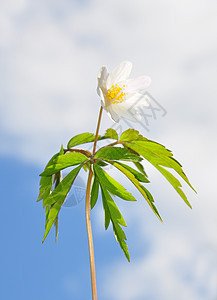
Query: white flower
[120, 96]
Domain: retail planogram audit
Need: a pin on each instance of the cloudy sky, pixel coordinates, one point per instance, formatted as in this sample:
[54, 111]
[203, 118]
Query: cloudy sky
[51, 52]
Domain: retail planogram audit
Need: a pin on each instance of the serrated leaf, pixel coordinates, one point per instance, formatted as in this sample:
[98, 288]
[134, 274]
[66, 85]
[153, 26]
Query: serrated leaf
[63, 161]
[175, 183]
[131, 135]
[111, 184]
[121, 239]
[46, 182]
[140, 188]
[45, 187]
[132, 158]
[82, 138]
[56, 221]
[107, 216]
[111, 153]
[115, 214]
[56, 199]
[57, 178]
[139, 176]
[112, 213]
[161, 157]
[47, 209]
[101, 163]
[94, 192]
[140, 168]
[61, 190]
[116, 153]
[111, 134]
[61, 150]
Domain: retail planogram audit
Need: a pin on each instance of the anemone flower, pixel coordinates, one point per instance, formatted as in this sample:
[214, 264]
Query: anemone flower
[120, 96]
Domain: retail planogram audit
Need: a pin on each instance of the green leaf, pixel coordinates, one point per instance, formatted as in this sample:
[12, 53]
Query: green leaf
[161, 157]
[94, 192]
[175, 183]
[106, 210]
[86, 166]
[111, 153]
[137, 184]
[132, 158]
[140, 168]
[61, 150]
[111, 184]
[131, 135]
[56, 221]
[57, 198]
[47, 209]
[113, 209]
[111, 134]
[101, 163]
[45, 187]
[57, 178]
[116, 153]
[63, 161]
[112, 213]
[82, 139]
[46, 182]
[63, 188]
[139, 176]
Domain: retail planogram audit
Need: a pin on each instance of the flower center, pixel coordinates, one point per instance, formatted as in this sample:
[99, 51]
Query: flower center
[115, 94]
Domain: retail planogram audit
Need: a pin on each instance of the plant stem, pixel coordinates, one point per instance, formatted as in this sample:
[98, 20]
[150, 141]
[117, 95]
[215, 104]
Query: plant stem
[90, 237]
[97, 130]
[77, 150]
[87, 215]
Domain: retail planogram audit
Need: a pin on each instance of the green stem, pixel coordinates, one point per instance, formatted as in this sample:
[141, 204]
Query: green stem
[87, 215]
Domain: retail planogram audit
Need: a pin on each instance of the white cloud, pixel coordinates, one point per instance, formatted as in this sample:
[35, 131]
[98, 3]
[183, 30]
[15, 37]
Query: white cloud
[172, 269]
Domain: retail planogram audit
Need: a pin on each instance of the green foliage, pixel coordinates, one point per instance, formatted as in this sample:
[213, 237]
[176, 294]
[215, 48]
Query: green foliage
[161, 157]
[131, 135]
[111, 184]
[63, 161]
[81, 139]
[140, 168]
[138, 175]
[46, 182]
[132, 147]
[111, 153]
[111, 134]
[112, 213]
[56, 199]
[94, 192]
[137, 184]
[116, 153]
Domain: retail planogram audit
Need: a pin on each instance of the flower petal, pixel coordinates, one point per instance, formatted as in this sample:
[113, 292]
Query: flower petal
[137, 100]
[136, 84]
[127, 111]
[100, 93]
[102, 78]
[120, 73]
[112, 114]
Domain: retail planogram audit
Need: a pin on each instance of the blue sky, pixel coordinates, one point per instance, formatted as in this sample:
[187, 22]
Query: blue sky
[50, 54]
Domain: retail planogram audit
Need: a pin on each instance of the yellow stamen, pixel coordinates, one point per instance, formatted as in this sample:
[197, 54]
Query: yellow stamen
[115, 94]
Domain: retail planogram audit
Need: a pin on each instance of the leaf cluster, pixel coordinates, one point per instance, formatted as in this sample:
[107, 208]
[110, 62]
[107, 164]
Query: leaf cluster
[130, 147]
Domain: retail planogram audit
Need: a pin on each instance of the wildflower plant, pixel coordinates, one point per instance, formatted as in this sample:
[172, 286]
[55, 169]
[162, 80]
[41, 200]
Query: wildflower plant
[117, 93]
